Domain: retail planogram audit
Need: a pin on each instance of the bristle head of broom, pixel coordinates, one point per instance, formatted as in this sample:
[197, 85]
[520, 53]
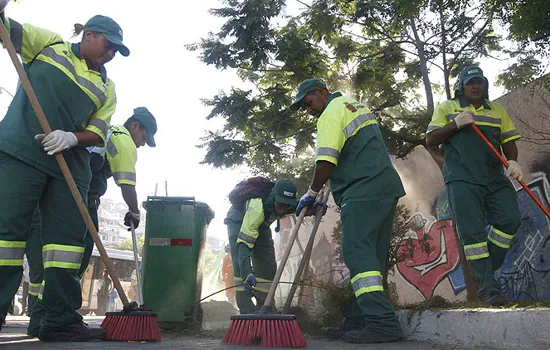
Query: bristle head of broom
[131, 326]
[280, 317]
[267, 330]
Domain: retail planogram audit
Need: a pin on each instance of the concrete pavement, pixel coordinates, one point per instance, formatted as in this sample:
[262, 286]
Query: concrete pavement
[13, 337]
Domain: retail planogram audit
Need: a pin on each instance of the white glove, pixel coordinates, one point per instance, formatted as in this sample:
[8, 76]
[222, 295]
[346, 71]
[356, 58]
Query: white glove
[464, 118]
[57, 141]
[514, 170]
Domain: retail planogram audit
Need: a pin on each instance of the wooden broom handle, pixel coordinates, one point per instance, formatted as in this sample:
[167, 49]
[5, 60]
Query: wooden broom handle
[61, 161]
[271, 294]
[307, 252]
[505, 163]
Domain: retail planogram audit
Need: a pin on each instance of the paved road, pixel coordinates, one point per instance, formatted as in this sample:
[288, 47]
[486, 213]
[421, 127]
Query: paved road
[13, 337]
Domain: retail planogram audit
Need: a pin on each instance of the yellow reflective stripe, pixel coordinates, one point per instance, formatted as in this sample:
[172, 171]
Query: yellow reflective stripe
[13, 244]
[89, 87]
[509, 136]
[41, 291]
[124, 175]
[34, 288]
[12, 252]
[481, 120]
[356, 124]
[238, 280]
[367, 282]
[63, 248]
[327, 151]
[500, 238]
[62, 256]
[476, 251]
[365, 274]
[7, 262]
[263, 285]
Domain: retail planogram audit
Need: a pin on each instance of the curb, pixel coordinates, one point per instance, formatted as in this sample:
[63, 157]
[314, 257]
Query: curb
[516, 329]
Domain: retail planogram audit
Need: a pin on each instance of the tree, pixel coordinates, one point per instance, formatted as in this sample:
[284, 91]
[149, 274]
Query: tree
[381, 52]
[128, 245]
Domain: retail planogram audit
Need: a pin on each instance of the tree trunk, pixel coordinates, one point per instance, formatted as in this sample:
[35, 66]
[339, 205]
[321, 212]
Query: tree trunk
[423, 67]
[444, 52]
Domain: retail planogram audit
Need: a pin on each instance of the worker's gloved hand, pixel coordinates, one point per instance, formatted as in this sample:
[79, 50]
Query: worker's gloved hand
[306, 201]
[319, 205]
[464, 118]
[514, 170]
[131, 217]
[250, 282]
[57, 141]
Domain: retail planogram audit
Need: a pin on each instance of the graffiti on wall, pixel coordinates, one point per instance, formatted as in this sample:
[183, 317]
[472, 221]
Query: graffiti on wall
[429, 255]
[430, 252]
[525, 273]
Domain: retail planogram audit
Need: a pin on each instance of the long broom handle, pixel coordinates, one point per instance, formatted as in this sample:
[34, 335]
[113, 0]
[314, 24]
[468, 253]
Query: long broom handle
[271, 294]
[136, 260]
[61, 161]
[505, 163]
[307, 253]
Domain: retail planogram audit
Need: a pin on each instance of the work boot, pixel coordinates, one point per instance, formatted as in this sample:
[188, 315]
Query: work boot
[495, 299]
[77, 332]
[368, 336]
[343, 327]
[33, 330]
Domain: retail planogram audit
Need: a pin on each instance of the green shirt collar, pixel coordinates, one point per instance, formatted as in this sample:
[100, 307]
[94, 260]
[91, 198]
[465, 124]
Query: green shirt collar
[465, 103]
[76, 50]
[332, 97]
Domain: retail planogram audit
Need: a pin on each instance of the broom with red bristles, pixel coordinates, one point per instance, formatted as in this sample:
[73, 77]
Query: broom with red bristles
[131, 324]
[264, 328]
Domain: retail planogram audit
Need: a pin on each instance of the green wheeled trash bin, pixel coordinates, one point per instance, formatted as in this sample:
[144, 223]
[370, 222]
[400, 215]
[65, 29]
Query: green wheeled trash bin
[175, 234]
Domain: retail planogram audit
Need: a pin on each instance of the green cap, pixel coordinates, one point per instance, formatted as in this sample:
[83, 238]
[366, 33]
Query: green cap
[285, 192]
[110, 30]
[147, 119]
[305, 88]
[469, 73]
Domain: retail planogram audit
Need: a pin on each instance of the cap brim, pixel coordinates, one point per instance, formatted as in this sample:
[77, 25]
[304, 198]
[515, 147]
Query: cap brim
[298, 102]
[151, 141]
[285, 200]
[124, 51]
[470, 77]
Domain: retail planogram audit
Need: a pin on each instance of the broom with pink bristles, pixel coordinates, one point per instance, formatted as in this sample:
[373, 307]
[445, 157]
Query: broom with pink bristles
[264, 328]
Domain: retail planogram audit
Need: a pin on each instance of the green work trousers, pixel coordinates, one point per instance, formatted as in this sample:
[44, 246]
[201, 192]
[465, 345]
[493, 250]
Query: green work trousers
[474, 207]
[264, 265]
[36, 264]
[366, 234]
[22, 189]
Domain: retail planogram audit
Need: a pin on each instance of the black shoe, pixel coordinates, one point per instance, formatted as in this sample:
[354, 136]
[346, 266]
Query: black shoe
[495, 299]
[369, 336]
[340, 331]
[77, 332]
[33, 331]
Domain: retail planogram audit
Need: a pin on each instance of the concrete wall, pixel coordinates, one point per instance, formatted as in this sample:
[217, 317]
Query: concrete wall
[433, 268]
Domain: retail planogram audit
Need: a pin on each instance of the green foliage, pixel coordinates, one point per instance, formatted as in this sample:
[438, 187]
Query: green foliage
[381, 52]
[128, 245]
[528, 19]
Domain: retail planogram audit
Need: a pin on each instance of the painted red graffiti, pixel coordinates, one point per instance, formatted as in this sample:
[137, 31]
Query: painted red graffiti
[430, 258]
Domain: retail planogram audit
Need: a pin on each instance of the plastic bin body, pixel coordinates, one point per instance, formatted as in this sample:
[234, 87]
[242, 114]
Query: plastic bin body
[175, 235]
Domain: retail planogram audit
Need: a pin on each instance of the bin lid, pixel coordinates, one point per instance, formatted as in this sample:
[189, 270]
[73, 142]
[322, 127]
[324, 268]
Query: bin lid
[200, 206]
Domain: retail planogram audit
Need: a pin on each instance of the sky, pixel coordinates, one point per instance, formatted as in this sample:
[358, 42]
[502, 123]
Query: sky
[162, 75]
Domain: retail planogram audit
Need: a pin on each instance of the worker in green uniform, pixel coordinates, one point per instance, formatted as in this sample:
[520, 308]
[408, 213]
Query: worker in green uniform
[117, 159]
[78, 99]
[352, 154]
[480, 192]
[251, 243]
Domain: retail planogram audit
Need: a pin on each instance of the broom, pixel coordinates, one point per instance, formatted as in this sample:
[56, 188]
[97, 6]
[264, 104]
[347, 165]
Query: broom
[131, 324]
[265, 329]
[505, 163]
[307, 253]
